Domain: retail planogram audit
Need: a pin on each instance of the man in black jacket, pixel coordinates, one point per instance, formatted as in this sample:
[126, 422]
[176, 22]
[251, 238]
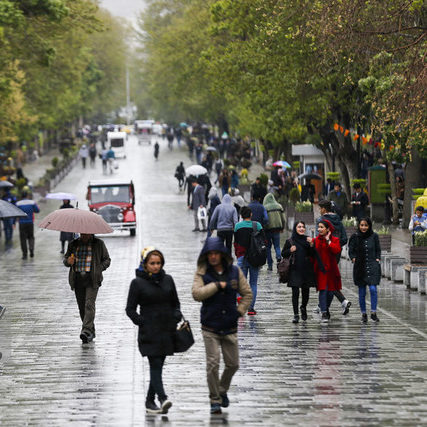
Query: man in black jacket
[87, 258]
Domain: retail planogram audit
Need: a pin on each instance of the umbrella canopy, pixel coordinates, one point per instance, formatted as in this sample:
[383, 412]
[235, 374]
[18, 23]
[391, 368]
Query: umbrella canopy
[282, 164]
[5, 184]
[309, 176]
[210, 148]
[61, 196]
[196, 170]
[183, 125]
[75, 221]
[9, 210]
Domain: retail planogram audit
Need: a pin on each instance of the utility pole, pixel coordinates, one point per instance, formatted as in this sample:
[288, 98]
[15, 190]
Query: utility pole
[128, 110]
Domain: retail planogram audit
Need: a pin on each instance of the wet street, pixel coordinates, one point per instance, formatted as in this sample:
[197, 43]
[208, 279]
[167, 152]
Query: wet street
[342, 374]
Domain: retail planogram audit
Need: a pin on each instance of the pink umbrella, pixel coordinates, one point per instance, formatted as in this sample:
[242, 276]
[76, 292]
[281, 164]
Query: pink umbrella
[75, 221]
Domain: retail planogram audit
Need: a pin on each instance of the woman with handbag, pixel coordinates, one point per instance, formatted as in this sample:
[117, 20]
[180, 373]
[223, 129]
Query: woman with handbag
[328, 274]
[300, 249]
[159, 312]
[365, 252]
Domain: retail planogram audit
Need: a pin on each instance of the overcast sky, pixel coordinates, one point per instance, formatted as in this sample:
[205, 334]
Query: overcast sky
[125, 8]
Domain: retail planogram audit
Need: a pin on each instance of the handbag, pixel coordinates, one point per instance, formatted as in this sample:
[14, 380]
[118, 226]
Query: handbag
[183, 338]
[284, 267]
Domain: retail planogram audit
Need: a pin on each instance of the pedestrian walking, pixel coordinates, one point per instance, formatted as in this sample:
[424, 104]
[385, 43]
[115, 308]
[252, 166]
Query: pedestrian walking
[329, 278]
[259, 212]
[180, 175]
[258, 190]
[198, 201]
[156, 150]
[224, 181]
[359, 201]
[301, 271]
[26, 224]
[218, 168]
[65, 236]
[339, 199]
[188, 184]
[87, 257]
[104, 158]
[84, 154]
[339, 231]
[365, 253]
[213, 202]
[242, 240]
[92, 154]
[216, 284]
[275, 226]
[224, 218]
[8, 223]
[155, 293]
[111, 157]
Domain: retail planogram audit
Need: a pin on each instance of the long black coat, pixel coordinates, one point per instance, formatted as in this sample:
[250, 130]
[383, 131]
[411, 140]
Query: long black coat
[372, 251]
[158, 315]
[301, 274]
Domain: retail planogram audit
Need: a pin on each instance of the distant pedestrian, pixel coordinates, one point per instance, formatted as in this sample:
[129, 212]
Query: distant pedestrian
[213, 202]
[301, 273]
[188, 184]
[92, 154]
[234, 179]
[418, 222]
[104, 158]
[156, 150]
[275, 226]
[111, 157]
[218, 168]
[224, 218]
[198, 201]
[180, 174]
[328, 278]
[155, 293]
[87, 257]
[26, 224]
[258, 190]
[359, 201]
[259, 213]
[84, 154]
[242, 240]
[65, 236]
[364, 251]
[339, 199]
[216, 284]
[224, 181]
[8, 223]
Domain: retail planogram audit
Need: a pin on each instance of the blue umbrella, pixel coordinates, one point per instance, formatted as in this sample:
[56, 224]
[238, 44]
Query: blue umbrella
[183, 125]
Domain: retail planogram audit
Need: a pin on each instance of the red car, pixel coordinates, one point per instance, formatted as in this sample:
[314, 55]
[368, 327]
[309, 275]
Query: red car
[114, 200]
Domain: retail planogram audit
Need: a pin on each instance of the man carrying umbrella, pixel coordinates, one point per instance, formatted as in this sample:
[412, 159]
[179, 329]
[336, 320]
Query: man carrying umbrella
[26, 224]
[87, 258]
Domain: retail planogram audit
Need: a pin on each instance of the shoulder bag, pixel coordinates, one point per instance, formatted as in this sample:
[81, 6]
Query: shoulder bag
[183, 338]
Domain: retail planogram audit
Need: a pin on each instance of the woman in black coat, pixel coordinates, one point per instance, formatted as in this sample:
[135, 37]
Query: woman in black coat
[365, 252]
[301, 273]
[155, 293]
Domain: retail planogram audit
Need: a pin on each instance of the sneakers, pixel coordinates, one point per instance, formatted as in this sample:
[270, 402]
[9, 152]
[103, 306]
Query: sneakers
[251, 312]
[364, 318]
[196, 229]
[2, 310]
[317, 310]
[86, 337]
[151, 407]
[225, 403]
[325, 318]
[303, 313]
[295, 319]
[166, 404]
[345, 307]
[270, 268]
[216, 408]
[374, 317]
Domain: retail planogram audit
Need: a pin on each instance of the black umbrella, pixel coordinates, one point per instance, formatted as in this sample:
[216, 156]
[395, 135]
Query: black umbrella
[8, 210]
[309, 176]
[6, 184]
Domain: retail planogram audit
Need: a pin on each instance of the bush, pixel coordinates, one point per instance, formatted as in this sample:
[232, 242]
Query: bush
[263, 179]
[294, 196]
[296, 165]
[421, 238]
[362, 182]
[303, 207]
[349, 222]
[382, 231]
[55, 162]
[334, 176]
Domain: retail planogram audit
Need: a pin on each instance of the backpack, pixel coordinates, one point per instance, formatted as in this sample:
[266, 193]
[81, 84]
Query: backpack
[256, 254]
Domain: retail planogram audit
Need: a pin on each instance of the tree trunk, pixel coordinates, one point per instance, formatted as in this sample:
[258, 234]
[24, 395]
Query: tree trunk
[413, 179]
[393, 192]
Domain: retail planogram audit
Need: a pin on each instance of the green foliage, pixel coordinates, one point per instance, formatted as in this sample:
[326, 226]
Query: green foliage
[383, 231]
[55, 162]
[294, 196]
[334, 176]
[303, 206]
[349, 222]
[263, 178]
[421, 238]
[360, 181]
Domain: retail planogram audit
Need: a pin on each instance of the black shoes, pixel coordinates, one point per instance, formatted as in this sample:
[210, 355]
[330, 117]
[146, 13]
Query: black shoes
[165, 405]
[374, 317]
[325, 317]
[216, 408]
[86, 337]
[196, 229]
[303, 313]
[225, 403]
[151, 407]
[24, 256]
[364, 318]
[345, 307]
[295, 319]
[31, 254]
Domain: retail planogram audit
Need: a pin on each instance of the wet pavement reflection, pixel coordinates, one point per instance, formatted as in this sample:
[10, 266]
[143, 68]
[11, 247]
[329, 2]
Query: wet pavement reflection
[344, 373]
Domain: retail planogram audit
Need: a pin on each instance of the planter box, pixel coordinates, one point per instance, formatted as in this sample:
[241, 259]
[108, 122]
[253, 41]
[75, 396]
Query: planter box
[418, 254]
[307, 217]
[385, 242]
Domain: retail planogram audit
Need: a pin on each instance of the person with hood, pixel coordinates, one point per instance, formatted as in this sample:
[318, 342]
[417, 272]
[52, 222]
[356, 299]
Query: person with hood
[216, 284]
[328, 278]
[87, 257]
[213, 202]
[84, 154]
[155, 293]
[275, 226]
[364, 251]
[259, 212]
[65, 236]
[224, 218]
[301, 272]
[339, 231]
[237, 200]
[198, 201]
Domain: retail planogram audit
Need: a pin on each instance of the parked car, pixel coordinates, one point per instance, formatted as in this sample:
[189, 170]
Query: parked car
[114, 200]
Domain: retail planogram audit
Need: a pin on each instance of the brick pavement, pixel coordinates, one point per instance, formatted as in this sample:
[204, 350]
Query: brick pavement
[342, 374]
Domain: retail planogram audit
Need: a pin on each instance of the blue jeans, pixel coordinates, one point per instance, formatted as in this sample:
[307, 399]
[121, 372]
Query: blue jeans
[325, 299]
[362, 296]
[273, 239]
[8, 229]
[244, 265]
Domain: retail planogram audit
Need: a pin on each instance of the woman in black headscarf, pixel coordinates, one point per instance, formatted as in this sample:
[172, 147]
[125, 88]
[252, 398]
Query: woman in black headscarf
[365, 253]
[301, 273]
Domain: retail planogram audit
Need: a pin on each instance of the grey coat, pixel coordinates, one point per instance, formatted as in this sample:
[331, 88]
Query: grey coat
[372, 252]
[100, 261]
[199, 198]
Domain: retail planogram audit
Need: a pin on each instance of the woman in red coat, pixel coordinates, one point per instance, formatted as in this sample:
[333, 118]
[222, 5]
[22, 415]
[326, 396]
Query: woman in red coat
[329, 280]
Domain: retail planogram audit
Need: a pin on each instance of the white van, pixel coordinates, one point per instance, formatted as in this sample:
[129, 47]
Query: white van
[117, 141]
